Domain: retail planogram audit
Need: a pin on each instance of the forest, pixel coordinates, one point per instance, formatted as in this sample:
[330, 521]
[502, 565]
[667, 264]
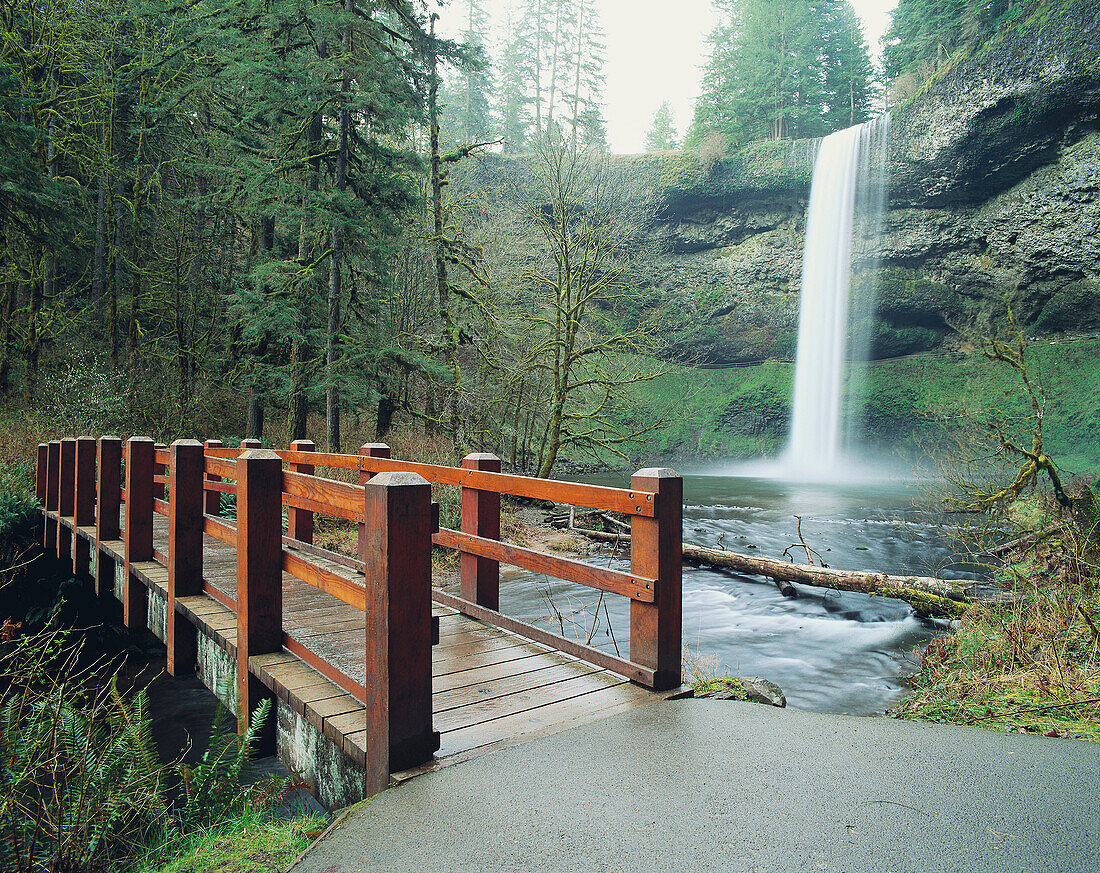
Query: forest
[228, 217]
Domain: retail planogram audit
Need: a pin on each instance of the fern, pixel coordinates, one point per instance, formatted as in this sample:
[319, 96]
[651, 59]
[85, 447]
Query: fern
[212, 788]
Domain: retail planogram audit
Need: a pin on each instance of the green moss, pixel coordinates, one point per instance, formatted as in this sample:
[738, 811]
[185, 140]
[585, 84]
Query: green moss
[722, 683]
[910, 403]
[247, 847]
[1074, 307]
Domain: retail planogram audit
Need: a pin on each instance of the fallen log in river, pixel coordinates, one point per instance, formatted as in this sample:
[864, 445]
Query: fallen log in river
[926, 594]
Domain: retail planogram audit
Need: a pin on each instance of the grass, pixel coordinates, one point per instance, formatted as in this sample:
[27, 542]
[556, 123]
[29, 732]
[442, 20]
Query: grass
[1031, 666]
[249, 845]
[911, 404]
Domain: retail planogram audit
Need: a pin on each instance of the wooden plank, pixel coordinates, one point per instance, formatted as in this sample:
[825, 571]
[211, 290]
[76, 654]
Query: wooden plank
[216, 466]
[66, 488]
[328, 496]
[219, 530]
[445, 665]
[350, 591]
[299, 522]
[325, 667]
[462, 647]
[628, 501]
[324, 554]
[560, 691]
[632, 671]
[53, 473]
[507, 685]
[629, 585]
[84, 502]
[600, 703]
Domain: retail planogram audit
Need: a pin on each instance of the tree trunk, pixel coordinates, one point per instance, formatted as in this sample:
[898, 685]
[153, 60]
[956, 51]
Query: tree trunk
[450, 345]
[7, 306]
[332, 399]
[255, 415]
[99, 264]
[942, 597]
[118, 275]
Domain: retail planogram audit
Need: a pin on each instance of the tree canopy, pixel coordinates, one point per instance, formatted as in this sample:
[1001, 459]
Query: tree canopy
[783, 69]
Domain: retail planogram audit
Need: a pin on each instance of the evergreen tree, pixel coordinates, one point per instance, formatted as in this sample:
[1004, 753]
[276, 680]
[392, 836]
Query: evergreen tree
[662, 133]
[848, 71]
[467, 116]
[781, 69]
[923, 33]
[516, 69]
[589, 55]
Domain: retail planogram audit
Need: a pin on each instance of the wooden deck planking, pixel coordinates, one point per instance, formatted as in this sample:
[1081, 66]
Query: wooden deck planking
[490, 687]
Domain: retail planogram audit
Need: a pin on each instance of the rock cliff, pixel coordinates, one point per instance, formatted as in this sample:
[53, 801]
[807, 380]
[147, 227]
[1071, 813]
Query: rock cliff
[994, 195]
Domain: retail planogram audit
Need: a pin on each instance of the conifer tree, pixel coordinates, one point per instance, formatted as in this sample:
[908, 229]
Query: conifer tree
[662, 133]
[515, 70]
[780, 69]
[468, 118]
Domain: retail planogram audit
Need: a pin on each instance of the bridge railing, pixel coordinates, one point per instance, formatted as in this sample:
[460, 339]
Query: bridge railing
[85, 482]
[653, 503]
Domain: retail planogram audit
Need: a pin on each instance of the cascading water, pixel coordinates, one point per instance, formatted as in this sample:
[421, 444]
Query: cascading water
[846, 200]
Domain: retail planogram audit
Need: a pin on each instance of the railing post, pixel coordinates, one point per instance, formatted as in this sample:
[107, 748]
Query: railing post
[259, 579]
[397, 555]
[299, 522]
[480, 577]
[251, 443]
[158, 470]
[138, 534]
[40, 474]
[53, 473]
[108, 487]
[83, 503]
[656, 552]
[66, 486]
[185, 474]
[369, 450]
[212, 500]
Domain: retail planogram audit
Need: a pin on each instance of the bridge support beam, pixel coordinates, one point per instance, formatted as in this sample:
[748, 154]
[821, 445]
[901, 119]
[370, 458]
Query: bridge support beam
[299, 522]
[84, 503]
[138, 533]
[480, 577]
[259, 581]
[66, 486]
[656, 552]
[397, 555]
[185, 472]
[108, 503]
[53, 471]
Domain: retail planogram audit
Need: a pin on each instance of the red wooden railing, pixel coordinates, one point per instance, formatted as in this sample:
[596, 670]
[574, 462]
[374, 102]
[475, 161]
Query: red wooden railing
[83, 482]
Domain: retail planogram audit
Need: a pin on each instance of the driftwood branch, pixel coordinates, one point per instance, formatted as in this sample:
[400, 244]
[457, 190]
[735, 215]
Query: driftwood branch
[928, 595]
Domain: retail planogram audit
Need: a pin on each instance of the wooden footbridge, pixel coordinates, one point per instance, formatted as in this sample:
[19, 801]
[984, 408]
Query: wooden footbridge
[389, 672]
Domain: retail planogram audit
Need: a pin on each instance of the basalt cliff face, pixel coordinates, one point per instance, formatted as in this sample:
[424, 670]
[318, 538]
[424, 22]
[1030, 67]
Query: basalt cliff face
[994, 195]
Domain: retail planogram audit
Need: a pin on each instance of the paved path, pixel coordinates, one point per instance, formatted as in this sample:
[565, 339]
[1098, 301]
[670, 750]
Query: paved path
[719, 786]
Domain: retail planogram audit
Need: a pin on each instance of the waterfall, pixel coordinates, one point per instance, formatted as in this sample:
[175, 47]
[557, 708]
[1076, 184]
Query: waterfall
[844, 216]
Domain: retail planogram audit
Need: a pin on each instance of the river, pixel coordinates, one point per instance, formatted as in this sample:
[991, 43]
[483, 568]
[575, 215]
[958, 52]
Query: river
[829, 651]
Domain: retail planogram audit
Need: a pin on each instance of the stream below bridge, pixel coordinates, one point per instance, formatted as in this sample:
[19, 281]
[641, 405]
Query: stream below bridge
[835, 652]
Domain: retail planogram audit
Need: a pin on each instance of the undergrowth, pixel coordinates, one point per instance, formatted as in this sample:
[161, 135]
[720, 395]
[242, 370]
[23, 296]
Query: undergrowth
[81, 785]
[250, 844]
[1031, 665]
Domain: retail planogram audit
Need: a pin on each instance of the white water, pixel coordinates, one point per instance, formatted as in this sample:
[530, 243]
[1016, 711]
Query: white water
[846, 199]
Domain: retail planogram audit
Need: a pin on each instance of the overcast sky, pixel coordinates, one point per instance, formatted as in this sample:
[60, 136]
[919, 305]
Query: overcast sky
[655, 51]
